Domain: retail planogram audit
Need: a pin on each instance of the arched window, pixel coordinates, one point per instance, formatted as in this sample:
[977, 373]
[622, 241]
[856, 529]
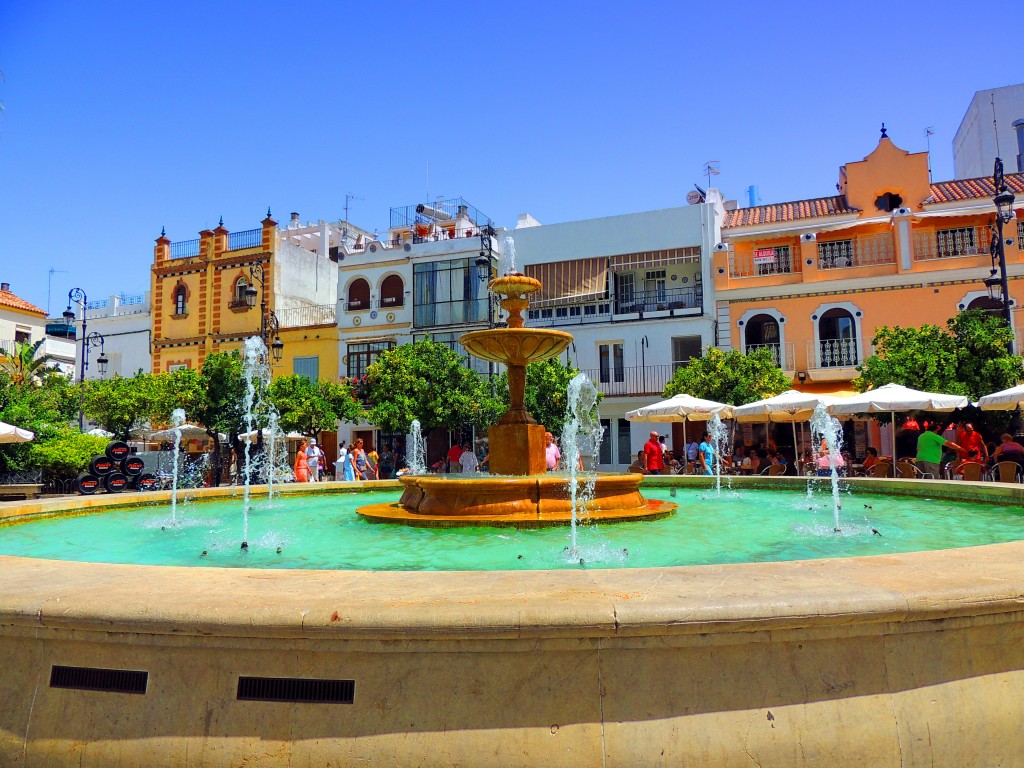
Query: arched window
[239, 298]
[993, 307]
[763, 331]
[392, 291]
[837, 339]
[359, 294]
[180, 294]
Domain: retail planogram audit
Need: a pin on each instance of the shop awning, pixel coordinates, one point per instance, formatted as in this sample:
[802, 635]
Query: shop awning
[567, 282]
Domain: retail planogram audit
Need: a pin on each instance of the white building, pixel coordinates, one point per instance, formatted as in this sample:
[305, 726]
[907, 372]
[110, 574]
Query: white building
[21, 322]
[975, 144]
[420, 280]
[635, 292]
[124, 323]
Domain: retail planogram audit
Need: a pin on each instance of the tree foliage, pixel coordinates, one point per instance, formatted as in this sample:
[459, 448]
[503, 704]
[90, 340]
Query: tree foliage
[729, 377]
[426, 381]
[120, 404]
[547, 392]
[311, 407]
[970, 357]
[44, 409]
[66, 452]
[25, 365]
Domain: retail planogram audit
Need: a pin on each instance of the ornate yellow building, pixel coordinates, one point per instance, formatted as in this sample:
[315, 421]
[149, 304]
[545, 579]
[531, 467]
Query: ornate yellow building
[199, 292]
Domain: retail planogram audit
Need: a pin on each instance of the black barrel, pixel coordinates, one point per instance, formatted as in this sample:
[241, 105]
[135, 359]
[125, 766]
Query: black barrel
[118, 450]
[147, 482]
[103, 465]
[87, 484]
[133, 466]
[115, 482]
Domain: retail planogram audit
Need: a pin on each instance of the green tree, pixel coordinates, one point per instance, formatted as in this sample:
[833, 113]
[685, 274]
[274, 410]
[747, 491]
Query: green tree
[426, 381]
[66, 452]
[729, 377]
[121, 404]
[970, 357]
[311, 407]
[25, 365]
[547, 392]
[45, 409]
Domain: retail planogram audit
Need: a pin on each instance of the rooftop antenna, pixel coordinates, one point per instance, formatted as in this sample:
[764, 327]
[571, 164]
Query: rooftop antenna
[711, 169]
[49, 283]
[928, 133]
[349, 196]
[995, 125]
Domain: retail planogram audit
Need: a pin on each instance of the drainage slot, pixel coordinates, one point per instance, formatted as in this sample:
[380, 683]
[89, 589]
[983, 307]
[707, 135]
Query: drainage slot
[92, 679]
[294, 689]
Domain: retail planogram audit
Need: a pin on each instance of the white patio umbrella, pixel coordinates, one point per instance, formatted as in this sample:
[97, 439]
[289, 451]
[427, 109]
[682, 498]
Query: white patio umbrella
[12, 434]
[99, 432]
[188, 432]
[1004, 400]
[682, 408]
[266, 433]
[789, 407]
[891, 398]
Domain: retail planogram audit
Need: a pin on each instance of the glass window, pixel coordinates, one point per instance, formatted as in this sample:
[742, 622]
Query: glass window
[361, 356]
[179, 300]
[684, 348]
[240, 285]
[624, 441]
[392, 292]
[611, 360]
[605, 452]
[307, 366]
[448, 293]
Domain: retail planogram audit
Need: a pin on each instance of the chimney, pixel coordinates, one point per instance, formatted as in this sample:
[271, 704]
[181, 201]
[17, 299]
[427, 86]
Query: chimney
[5, 287]
[295, 223]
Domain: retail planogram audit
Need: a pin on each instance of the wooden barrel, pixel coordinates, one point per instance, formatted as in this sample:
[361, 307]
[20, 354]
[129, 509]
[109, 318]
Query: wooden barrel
[147, 482]
[87, 484]
[118, 450]
[133, 466]
[115, 482]
[103, 465]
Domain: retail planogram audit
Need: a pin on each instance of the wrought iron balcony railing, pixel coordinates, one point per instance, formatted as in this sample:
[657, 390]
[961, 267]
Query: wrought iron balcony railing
[782, 354]
[659, 300]
[859, 251]
[834, 353]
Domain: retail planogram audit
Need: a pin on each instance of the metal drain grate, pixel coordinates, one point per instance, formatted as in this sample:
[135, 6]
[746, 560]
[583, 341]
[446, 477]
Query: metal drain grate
[295, 689]
[93, 679]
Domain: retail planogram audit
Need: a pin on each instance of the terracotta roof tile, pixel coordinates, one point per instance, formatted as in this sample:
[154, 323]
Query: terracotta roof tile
[792, 211]
[972, 189]
[8, 299]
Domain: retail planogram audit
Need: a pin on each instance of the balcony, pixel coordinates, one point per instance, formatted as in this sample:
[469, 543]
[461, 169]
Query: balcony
[834, 359]
[647, 380]
[749, 260]
[860, 251]
[300, 317]
[782, 354]
[957, 241]
[661, 300]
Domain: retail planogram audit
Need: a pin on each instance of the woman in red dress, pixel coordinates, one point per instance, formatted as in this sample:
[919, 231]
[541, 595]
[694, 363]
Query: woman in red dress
[301, 465]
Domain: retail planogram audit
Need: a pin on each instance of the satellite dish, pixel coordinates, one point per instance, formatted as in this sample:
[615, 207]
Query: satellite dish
[694, 197]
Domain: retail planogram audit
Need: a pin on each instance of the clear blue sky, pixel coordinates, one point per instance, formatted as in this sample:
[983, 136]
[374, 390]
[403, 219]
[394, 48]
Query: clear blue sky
[121, 118]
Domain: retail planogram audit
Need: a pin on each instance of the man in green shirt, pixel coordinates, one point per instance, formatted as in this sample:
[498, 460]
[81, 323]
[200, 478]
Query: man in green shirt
[929, 449]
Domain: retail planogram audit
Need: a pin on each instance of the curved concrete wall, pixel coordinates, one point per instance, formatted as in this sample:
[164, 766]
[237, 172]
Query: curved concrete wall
[901, 660]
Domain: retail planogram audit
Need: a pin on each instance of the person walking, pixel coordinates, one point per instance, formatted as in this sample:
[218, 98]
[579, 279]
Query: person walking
[929, 449]
[468, 459]
[313, 454]
[362, 464]
[301, 464]
[552, 454]
[386, 465]
[706, 452]
[339, 465]
[654, 455]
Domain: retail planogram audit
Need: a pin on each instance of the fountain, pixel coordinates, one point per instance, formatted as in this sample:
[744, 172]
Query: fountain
[826, 427]
[417, 452]
[177, 419]
[520, 492]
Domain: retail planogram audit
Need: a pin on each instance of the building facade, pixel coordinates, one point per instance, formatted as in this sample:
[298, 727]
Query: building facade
[813, 279]
[199, 287]
[635, 292]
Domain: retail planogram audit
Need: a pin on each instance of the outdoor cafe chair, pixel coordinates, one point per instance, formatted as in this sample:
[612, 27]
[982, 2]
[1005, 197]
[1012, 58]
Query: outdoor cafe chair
[909, 470]
[881, 469]
[1006, 472]
[971, 471]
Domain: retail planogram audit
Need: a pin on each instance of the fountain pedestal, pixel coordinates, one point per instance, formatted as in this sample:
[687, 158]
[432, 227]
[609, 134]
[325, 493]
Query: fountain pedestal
[520, 492]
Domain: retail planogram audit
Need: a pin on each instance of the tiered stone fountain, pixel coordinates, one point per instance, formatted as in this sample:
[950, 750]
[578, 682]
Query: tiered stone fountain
[519, 492]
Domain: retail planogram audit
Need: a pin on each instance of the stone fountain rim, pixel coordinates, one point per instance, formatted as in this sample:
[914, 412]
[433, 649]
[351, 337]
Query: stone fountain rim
[741, 602]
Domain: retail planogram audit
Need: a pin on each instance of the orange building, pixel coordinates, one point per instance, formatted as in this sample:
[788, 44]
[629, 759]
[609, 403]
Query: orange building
[813, 279]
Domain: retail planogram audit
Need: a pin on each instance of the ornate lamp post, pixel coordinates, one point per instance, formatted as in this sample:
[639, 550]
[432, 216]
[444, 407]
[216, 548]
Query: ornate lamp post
[269, 325]
[485, 268]
[997, 283]
[94, 339]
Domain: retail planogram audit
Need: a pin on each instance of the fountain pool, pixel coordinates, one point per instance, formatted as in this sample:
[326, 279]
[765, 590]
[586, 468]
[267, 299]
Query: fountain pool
[898, 658]
[323, 532]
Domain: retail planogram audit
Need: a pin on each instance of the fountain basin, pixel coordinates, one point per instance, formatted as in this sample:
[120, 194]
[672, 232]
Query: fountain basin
[515, 346]
[518, 502]
[896, 660]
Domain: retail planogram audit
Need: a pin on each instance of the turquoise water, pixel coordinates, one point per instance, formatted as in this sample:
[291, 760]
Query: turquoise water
[323, 532]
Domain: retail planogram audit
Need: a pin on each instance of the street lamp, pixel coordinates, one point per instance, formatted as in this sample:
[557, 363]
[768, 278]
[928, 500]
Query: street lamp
[94, 339]
[1003, 202]
[269, 325]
